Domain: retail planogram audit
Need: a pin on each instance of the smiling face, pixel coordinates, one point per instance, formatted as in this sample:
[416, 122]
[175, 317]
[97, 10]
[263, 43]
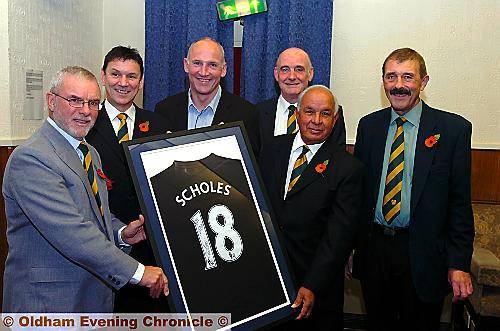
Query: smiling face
[75, 121]
[316, 116]
[122, 80]
[293, 72]
[205, 68]
[403, 84]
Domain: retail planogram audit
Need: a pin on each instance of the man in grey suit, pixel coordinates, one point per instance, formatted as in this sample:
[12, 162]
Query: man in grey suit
[63, 254]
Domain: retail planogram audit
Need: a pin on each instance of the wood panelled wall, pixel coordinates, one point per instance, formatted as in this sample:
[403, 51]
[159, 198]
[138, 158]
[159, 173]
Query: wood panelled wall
[485, 188]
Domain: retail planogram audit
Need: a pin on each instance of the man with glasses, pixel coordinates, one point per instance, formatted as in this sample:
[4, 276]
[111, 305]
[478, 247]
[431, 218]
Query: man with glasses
[206, 103]
[293, 73]
[66, 250]
[119, 120]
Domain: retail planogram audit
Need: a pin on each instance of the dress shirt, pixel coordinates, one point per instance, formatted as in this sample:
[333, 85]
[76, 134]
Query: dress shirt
[410, 131]
[280, 123]
[139, 272]
[297, 145]
[115, 121]
[200, 118]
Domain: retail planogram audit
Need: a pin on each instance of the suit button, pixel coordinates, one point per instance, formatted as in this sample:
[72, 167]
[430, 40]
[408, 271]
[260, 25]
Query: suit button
[117, 282]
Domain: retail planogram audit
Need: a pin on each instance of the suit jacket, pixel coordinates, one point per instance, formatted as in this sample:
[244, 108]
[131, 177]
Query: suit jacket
[231, 108]
[62, 255]
[318, 219]
[267, 119]
[441, 221]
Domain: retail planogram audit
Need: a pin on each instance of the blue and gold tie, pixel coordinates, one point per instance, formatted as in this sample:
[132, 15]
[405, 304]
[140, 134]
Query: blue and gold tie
[391, 206]
[298, 167]
[89, 169]
[122, 134]
[291, 124]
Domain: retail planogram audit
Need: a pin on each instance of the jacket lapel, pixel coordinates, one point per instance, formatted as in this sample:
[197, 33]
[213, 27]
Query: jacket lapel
[310, 174]
[379, 138]
[423, 155]
[223, 111]
[140, 119]
[69, 156]
[282, 152]
[106, 132]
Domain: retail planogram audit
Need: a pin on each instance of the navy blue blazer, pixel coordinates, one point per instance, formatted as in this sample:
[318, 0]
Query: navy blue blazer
[441, 220]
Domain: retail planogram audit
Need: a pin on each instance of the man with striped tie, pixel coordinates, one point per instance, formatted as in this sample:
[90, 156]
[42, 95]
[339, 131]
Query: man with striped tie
[119, 120]
[417, 227]
[66, 250]
[293, 72]
[314, 187]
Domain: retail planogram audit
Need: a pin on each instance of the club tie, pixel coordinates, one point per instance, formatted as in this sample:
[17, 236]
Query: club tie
[391, 206]
[87, 165]
[291, 124]
[122, 129]
[298, 167]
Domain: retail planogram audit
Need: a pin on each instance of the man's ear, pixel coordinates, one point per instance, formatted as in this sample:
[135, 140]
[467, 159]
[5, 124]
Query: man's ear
[186, 65]
[425, 80]
[311, 74]
[50, 99]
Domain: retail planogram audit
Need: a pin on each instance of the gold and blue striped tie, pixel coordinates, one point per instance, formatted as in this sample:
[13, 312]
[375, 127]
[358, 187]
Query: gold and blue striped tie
[122, 129]
[298, 167]
[391, 206]
[89, 169]
[291, 124]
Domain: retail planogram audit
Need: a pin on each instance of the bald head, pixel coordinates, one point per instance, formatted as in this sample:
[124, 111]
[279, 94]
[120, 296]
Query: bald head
[293, 72]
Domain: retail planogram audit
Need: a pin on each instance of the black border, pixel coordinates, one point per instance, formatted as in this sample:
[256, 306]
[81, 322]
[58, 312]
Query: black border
[133, 149]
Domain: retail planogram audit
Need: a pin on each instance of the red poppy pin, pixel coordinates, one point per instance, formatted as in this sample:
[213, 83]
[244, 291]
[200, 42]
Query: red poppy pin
[432, 140]
[109, 182]
[321, 167]
[144, 126]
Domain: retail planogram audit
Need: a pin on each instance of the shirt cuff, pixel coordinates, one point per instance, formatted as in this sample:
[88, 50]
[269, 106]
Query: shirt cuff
[120, 240]
[139, 272]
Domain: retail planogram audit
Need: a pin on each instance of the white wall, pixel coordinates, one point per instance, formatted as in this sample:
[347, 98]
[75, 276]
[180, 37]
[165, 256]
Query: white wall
[43, 35]
[459, 40]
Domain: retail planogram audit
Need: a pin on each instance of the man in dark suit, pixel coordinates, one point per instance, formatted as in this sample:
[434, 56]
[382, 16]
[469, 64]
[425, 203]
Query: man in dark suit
[122, 77]
[315, 190]
[293, 73]
[206, 103]
[418, 227]
[64, 244]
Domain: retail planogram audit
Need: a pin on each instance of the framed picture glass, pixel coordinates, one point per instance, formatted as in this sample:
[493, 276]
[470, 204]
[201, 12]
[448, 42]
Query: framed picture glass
[210, 225]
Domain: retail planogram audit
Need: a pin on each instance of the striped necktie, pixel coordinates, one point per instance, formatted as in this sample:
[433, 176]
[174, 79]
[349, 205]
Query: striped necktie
[391, 206]
[87, 165]
[291, 123]
[122, 134]
[298, 167]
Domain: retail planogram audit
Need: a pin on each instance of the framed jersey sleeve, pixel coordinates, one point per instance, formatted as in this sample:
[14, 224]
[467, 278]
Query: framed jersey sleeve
[210, 225]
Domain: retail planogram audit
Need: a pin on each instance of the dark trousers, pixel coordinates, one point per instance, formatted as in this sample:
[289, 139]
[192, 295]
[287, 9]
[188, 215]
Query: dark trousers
[390, 297]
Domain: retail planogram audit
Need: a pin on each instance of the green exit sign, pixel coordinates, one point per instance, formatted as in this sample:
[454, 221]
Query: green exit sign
[231, 9]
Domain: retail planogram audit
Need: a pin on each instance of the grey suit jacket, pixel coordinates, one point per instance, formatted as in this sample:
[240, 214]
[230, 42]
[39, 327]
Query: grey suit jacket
[62, 254]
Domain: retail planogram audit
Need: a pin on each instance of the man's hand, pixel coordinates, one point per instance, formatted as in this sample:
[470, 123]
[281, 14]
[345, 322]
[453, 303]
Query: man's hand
[134, 232]
[155, 280]
[305, 298]
[461, 283]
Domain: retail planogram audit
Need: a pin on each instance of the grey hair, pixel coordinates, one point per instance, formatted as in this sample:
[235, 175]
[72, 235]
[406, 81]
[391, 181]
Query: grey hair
[76, 71]
[207, 39]
[324, 88]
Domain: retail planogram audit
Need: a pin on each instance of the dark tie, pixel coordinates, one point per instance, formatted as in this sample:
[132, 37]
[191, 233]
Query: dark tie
[391, 206]
[291, 124]
[298, 167]
[122, 134]
[87, 165]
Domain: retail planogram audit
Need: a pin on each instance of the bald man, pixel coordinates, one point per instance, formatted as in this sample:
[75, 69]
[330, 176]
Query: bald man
[293, 73]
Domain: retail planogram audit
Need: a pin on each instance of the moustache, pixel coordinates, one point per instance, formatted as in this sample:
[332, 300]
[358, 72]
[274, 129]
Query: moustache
[399, 91]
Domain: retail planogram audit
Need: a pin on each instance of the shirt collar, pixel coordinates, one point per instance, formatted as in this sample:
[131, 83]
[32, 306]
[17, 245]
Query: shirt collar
[284, 104]
[112, 111]
[298, 143]
[72, 140]
[213, 104]
[412, 116]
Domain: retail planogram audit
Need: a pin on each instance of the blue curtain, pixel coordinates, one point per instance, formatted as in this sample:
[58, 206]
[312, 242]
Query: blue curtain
[287, 23]
[171, 26]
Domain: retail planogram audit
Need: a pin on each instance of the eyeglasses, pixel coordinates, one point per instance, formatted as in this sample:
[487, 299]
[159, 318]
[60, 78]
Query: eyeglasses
[79, 103]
